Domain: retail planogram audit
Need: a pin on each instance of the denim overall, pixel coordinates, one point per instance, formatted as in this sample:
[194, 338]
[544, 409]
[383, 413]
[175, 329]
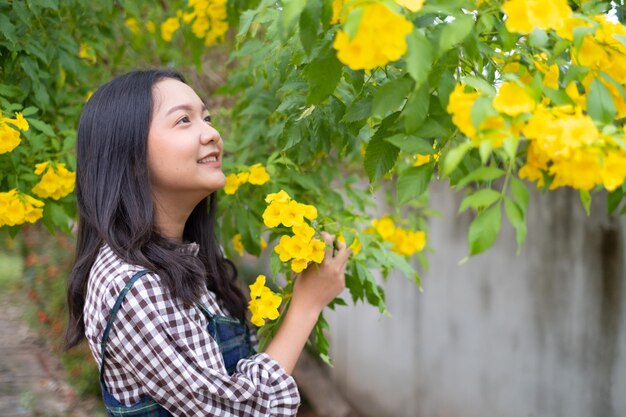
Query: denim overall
[231, 335]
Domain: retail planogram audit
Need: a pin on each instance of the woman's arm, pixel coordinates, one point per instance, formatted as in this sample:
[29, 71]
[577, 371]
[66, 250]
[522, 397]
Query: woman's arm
[317, 286]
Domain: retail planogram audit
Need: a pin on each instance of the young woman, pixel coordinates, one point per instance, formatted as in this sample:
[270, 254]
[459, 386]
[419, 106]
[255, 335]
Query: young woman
[150, 289]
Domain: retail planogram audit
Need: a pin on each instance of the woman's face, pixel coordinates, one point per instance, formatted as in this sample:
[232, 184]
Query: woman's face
[180, 141]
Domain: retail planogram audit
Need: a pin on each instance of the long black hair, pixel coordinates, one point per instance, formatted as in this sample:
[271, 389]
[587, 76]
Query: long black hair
[115, 204]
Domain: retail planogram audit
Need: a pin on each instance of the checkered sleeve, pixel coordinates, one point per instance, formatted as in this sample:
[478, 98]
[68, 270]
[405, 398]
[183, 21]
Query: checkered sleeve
[168, 350]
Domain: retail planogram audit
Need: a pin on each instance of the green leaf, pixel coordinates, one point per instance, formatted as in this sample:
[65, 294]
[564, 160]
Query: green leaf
[390, 96]
[351, 25]
[323, 75]
[516, 218]
[600, 104]
[411, 144]
[43, 127]
[481, 198]
[520, 194]
[454, 157]
[481, 109]
[380, 157]
[455, 32]
[481, 174]
[401, 263]
[360, 109]
[480, 85]
[419, 56]
[484, 230]
[538, 38]
[309, 24]
[290, 12]
[416, 109]
[614, 199]
[7, 29]
[585, 198]
[413, 182]
[29, 111]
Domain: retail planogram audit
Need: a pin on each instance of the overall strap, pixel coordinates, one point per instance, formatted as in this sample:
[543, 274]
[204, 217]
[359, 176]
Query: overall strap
[116, 307]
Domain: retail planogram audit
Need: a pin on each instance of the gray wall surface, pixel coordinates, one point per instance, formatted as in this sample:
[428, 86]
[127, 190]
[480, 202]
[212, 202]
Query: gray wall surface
[539, 334]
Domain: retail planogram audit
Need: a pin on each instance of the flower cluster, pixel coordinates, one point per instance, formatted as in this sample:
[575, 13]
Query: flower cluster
[256, 175]
[134, 26]
[263, 302]
[238, 244]
[602, 51]
[379, 39]
[565, 144]
[9, 135]
[207, 19]
[17, 208]
[56, 182]
[169, 27]
[405, 242]
[301, 247]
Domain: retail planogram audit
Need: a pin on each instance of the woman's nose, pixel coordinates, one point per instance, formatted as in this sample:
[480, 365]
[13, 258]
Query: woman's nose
[209, 134]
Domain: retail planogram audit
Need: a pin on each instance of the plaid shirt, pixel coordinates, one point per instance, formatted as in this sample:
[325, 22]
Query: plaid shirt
[160, 348]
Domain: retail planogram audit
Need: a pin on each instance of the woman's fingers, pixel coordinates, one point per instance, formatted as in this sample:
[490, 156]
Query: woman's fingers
[328, 239]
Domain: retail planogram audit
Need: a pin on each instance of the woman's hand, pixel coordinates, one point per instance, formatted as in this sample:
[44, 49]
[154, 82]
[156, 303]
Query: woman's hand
[319, 284]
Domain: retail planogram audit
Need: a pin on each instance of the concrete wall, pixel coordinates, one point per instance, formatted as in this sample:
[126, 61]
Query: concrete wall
[539, 334]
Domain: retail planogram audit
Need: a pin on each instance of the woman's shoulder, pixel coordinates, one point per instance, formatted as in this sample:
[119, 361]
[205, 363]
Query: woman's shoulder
[110, 273]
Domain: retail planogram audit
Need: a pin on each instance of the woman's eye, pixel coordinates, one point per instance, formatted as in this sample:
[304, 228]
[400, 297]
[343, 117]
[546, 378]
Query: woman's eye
[184, 119]
[207, 119]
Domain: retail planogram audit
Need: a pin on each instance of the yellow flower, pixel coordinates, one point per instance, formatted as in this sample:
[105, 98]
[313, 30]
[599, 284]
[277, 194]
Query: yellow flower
[242, 177]
[273, 214]
[19, 121]
[232, 184]
[168, 28]
[512, 99]
[412, 5]
[613, 169]
[421, 160]
[379, 39]
[460, 106]
[41, 167]
[304, 231]
[132, 24]
[87, 53]
[523, 16]
[298, 264]
[57, 181]
[355, 246]
[292, 214]
[17, 208]
[256, 289]
[317, 248]
[384, 227]
[310, 212]
[263, 302]
[150, 26]
[263, 243]
[283, 248]
[281, 197]
[9, 138]
[298, 247]
[238, 244]
[258, 175]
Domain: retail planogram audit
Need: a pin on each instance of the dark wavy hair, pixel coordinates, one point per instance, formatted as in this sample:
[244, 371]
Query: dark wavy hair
[115, 204]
